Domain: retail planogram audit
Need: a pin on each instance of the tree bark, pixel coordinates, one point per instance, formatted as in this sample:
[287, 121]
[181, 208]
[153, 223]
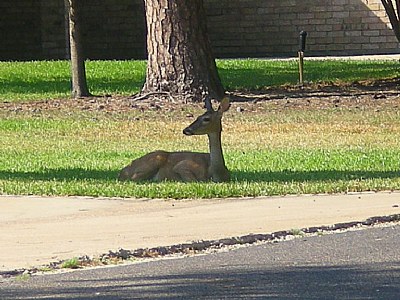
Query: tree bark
[394, 15]
[180, 59]
[79, 83]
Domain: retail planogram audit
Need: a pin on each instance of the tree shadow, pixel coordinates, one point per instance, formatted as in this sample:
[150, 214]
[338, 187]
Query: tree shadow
[273, 78]
[63, 85]
[60, 175]
[219, 282]
[115, 86]
[73, 174]
[301, 176]
[255, 77]
[37, 86]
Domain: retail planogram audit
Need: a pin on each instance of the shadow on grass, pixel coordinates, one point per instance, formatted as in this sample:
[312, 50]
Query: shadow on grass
[300, 176]
[116, 86]
[19, 86]
[63, 86]
[249, 78]
[239, 176]
[259, 74]
[60, 175]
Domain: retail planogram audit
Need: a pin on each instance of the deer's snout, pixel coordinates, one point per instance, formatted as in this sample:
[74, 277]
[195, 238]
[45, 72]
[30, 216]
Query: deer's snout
[187, 131]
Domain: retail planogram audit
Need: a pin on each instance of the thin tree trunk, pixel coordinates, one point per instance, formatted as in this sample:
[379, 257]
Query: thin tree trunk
[79, 84]
[180, 59]
[394, 15]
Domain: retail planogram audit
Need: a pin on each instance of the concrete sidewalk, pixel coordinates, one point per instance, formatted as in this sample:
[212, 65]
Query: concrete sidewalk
[372, 57]
[39, 230]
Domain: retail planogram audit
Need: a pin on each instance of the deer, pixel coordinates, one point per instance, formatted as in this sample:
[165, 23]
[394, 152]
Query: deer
[186, 166]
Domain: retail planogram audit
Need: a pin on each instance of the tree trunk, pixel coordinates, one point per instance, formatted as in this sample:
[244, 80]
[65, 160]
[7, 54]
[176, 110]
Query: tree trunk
[79, 84]
[394, 15]
[180, 59]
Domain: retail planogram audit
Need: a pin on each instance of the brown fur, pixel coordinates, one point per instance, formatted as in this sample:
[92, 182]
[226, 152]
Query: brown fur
[185, 166]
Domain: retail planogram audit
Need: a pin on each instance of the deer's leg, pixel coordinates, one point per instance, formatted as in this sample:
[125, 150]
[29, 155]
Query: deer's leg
[145, 167]
[189, 170]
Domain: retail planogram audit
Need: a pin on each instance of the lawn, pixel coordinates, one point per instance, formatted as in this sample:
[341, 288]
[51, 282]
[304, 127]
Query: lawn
[40, 80]
[290, 146]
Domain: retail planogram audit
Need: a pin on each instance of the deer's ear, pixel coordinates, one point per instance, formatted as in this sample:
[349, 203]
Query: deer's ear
[224, 105]
[208, 104]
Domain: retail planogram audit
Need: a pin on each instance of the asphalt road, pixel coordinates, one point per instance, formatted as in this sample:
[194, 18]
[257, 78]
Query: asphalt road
[362, 264]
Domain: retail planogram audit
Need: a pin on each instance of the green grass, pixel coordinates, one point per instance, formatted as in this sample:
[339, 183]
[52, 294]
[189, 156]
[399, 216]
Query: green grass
[51, 79]
[258, 74]
[40, 80]
[72, 263]
[293, 151]
[278, 150]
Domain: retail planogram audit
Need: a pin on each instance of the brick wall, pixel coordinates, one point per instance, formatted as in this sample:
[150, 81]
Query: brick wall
[54, 33]
[114, 31]
[35, 29]
[20, 30]
[271, 27]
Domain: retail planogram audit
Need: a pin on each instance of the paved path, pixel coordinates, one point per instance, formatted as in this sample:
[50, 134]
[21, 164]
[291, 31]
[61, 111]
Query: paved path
[352, 57]
[361, 264]
[37, 230]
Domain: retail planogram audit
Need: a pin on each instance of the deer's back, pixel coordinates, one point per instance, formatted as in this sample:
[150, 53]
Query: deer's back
[163, 165]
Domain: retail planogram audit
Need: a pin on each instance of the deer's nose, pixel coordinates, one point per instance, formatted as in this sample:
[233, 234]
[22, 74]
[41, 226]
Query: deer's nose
[187, 131]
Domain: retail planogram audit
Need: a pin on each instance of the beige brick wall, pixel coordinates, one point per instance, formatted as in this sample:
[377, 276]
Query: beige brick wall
[271, 27]
[35, 29]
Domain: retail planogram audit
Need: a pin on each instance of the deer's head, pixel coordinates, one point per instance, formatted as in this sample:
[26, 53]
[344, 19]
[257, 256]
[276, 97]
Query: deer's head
[210, 121]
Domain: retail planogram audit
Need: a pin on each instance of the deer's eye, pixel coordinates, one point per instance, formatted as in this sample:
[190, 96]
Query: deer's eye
[206, 119]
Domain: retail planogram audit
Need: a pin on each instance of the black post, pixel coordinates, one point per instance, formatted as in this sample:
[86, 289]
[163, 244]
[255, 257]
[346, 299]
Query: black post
[302, 48]
[302, 40]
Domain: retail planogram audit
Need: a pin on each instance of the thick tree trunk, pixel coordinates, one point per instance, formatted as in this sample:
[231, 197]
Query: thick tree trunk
[79, 84]
[180, 59]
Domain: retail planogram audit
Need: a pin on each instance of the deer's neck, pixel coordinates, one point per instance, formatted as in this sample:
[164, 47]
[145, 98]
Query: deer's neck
[218, 170]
